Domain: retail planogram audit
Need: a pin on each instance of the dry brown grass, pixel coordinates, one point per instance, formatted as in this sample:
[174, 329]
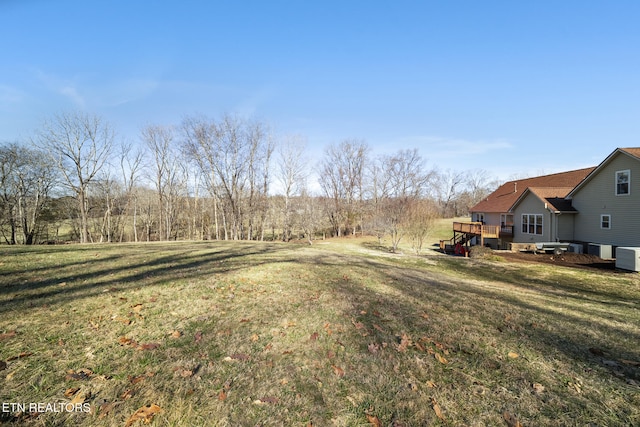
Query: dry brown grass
[228, 334]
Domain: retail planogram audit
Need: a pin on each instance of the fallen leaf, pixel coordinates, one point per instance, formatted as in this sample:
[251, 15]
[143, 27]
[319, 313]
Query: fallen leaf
[3, 365]
[20, 356]
[105, 408]
[79, 375]
[431, 384]
[144, 414]
[240, 356]
[128, 394]
[358, 325]
[222, 396]
[137, 308]
[269, 399]
[136, 380]
[373, 348]
[377, 327]
[338, 371]
[373, 420]
[630, 362]
[314, 336]
[537, 388]
[255, 337]
[198, 336]
[405, 341]
[437, 409]
[441, 359]
[513, 355]
[123, 320]
[148, 346]
[7, 335]
[127, 341]
[511, 420]
[71, 391]
[176, 334]
[78, 398]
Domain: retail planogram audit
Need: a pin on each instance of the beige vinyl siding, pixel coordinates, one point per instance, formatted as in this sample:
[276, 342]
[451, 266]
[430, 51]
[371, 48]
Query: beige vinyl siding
[492, 218]
[531, 205]
[565, 227]
[598, 197]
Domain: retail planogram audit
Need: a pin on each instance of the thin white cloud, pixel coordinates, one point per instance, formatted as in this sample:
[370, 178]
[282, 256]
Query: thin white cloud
[444, 147]
[125, 91]
[10, 96]
[71, 93]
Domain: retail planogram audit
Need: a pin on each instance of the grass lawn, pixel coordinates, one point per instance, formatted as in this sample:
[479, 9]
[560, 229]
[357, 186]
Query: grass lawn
[338, 333]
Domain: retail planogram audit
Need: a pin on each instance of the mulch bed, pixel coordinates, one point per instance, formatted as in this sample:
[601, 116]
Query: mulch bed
[568, 259]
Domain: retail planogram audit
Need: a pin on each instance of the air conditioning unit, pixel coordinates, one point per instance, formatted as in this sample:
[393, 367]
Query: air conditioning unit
[603, 251]
[628, 259]
[576, 248]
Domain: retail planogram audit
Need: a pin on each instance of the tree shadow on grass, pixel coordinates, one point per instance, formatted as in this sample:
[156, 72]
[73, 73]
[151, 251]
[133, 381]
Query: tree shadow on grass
[146, 266]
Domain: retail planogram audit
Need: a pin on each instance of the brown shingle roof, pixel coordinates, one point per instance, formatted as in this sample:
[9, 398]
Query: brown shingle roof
[505, 196]
[555, 197]
[635, 151]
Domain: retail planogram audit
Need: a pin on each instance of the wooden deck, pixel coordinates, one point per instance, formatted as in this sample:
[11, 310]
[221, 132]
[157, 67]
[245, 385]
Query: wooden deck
[463, 232]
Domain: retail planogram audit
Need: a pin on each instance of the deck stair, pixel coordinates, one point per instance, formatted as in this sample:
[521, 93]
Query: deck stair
[463, 232]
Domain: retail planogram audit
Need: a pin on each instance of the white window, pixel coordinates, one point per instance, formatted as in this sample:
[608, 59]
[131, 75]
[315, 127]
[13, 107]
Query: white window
[532, 224]
[506, 220]
[605, 221]
[623, 182]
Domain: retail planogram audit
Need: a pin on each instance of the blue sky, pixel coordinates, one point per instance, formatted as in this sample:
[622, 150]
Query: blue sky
[507, 86]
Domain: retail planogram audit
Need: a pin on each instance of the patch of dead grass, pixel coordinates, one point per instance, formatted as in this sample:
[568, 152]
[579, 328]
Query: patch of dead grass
[274, 334]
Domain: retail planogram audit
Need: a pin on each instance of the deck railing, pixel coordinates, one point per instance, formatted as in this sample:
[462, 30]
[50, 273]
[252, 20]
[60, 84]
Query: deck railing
[480, 229]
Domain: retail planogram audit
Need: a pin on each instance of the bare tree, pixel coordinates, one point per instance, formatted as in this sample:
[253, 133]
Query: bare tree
[9, 164]
[292, 175]
[233, 156]
[420, 217]
[478, 185]
[342, 181]
[26, 180]
[168, 176]
[447, 190]
[400, 181]
[131, 163]
[79, 146]
[310, 214]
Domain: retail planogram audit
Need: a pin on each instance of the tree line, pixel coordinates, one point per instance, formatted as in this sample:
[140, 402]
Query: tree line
[226, 178]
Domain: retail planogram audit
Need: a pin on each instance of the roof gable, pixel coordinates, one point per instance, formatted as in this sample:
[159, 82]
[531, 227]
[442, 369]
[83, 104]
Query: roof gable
[633, 152]
[552, 197]
[502, 199]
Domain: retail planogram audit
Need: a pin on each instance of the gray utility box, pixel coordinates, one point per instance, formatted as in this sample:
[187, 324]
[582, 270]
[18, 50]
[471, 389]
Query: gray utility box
[576, 248]
[628, 259]
[603, 251]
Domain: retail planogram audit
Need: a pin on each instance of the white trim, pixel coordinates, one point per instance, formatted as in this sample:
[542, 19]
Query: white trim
[618, 173]
[535, 224]
[602, 216]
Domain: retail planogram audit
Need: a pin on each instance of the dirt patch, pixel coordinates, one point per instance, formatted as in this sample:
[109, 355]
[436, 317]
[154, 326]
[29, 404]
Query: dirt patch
[567, 259]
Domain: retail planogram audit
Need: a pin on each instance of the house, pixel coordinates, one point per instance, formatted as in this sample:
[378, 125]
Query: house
[493, 220]
[608, 201]
[599, 205]
[543, 215]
